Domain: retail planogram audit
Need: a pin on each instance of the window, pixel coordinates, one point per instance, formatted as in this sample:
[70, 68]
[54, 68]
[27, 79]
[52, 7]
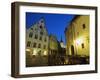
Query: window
[30, 34]
[40, 26]
[41, 33]
[45, 39]
[36, 36]
[42, 21]
[31, 28]
[28, 44]
[44, 46]
[39, 46]
[34, 45]
[84, 26]
[36, 29]
[40, 37]
[82, 45]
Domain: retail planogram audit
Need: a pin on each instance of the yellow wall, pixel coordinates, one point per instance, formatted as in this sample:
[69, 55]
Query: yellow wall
[76, 36]
[53, 44]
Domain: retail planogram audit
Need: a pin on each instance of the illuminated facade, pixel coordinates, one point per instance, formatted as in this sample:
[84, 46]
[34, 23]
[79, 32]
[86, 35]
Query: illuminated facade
[37, 39]
[57, 51]
[77, 36]
[53, 50]
[53, 45]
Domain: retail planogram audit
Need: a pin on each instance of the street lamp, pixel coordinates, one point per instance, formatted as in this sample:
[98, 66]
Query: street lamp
[45, 53]
[28, 50]
[79, 41]
[34, 52]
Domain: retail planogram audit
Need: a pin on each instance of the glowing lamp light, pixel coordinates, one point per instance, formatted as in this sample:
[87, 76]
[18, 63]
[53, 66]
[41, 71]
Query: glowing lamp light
[79, 41]
[45, 52]
[27, 49]
[34, 52]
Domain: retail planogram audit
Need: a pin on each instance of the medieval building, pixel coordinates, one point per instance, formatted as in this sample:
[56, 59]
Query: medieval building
[42, 48]
[37, 40]
[77, 37]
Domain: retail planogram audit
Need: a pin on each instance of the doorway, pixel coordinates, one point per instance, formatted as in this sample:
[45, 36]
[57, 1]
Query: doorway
[72, 50]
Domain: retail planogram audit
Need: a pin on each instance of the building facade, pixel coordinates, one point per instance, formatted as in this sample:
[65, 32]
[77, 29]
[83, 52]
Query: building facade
[78, 37]
[37, 40]
[53, 50]
[57, 51]
[53, 45]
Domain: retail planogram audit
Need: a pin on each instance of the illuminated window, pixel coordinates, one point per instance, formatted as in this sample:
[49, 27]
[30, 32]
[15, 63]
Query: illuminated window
[84, 26]
[30, 34]
[28, 44]
[34, 44]
[82, 45]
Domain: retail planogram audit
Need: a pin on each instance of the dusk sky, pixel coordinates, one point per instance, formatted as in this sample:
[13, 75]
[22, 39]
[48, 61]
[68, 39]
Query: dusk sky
[55, 23]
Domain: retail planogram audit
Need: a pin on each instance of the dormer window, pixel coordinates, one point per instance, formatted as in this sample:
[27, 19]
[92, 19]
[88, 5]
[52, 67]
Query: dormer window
[42, 21]
[31, 28]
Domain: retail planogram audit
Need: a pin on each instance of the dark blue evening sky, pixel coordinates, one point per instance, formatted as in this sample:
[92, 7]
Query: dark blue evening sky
[55, 23]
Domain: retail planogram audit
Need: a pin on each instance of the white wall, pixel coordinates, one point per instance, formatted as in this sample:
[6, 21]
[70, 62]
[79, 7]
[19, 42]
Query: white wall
[5, 40]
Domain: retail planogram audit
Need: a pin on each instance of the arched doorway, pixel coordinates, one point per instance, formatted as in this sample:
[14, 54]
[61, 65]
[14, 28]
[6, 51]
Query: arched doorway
[72, 50]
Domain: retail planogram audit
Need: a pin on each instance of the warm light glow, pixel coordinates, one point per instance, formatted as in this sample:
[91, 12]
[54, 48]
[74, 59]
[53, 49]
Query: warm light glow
[27, 49]
[34, 52]
[45, 52]
[79, 41]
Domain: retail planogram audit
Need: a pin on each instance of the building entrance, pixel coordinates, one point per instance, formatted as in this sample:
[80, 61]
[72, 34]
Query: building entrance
[72, 50]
